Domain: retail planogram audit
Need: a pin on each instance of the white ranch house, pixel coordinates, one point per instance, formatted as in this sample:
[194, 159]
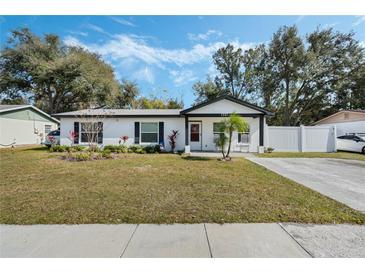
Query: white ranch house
[196, 125]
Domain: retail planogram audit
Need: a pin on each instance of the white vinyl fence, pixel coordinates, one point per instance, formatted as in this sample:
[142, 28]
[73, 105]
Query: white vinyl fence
[302, 139]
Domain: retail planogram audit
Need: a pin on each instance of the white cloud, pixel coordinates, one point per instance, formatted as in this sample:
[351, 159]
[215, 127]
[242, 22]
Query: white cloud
[362, 44]
[80, 33]
[181, 77]
[204, 36]
[144, 74]
[360, 20]
[121, 47]
[299, 19]
[123, 21]
[96, 28]
[73, 41]
[328, 26]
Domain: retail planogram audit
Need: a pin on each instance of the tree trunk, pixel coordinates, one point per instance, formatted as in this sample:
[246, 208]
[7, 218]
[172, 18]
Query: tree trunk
[229, 143]
[286, 114]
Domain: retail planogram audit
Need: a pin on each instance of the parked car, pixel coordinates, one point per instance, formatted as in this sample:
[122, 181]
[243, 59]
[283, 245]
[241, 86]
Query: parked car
[353, 143]
[52, 138]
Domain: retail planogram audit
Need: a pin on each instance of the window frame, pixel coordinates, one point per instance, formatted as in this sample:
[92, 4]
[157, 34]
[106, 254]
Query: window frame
[140, 133]
[216, 133]
[248, 132]
[45, 129]
[95, 132]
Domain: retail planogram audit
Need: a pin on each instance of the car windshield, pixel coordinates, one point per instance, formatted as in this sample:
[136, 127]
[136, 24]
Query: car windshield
[54, 133]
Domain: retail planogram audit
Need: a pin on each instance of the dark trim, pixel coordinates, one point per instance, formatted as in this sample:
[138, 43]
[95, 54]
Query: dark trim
[261, 132]
[186, 130]
[118, 116]
[254, 115]
[100, 133]
[161, 134]
[230, 98]
[76, 132]
[136, 132]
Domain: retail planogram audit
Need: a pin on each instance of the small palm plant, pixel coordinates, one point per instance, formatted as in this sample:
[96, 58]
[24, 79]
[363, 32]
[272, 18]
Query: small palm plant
[227, 127]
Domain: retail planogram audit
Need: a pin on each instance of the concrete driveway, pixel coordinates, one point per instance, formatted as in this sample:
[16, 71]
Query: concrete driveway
[342, 180]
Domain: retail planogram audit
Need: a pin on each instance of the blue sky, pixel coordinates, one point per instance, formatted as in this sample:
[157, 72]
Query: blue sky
[165, 55]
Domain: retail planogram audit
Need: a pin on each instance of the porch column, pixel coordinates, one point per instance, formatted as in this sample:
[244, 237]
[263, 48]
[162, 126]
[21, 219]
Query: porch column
[260, 149]
[187, 146]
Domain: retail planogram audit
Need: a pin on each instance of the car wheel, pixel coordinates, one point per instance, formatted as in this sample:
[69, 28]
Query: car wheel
[363, 150]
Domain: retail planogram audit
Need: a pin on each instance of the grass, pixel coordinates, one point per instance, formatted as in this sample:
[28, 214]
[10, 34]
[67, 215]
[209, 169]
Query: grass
[336, 155]
[37, 187]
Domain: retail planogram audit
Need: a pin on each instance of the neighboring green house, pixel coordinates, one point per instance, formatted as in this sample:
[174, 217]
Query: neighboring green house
[24, 125]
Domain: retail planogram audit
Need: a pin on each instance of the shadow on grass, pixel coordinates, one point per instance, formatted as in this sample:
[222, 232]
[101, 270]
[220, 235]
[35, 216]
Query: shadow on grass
[42, 148]
[197, 158]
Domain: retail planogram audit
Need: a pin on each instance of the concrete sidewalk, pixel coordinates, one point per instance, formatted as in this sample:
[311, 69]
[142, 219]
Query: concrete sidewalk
[182, 240]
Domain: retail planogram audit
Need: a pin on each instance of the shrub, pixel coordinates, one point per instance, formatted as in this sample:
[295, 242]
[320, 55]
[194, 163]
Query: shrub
[93, 148]
[106, 154]
[58, 148]
[269, 149]
[84, 156]
[149, 149]
[78, 148]
[116, 148]
[135, 148]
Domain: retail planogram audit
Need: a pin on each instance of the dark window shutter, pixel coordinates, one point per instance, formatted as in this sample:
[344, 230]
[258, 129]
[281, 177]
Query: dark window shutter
[100, 132]
[239, 137]
[136, 132]
[161, 133]
[76, 131]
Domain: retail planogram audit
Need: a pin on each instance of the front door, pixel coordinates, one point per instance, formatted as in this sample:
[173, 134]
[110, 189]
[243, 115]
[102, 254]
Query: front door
[195, 136]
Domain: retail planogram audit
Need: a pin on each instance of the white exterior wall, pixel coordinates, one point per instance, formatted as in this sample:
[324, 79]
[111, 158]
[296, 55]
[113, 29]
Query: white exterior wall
[348, 127]
[23, 131]
[302, 139]
[224, 106]
[208, 136]
[113, 128]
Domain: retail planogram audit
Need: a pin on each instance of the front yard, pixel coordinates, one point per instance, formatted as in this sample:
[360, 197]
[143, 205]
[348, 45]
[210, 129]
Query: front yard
[337, 155]
[39, 187]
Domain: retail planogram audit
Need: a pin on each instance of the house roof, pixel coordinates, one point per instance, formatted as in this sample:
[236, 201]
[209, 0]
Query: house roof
[121, 112]
[13, 108]
[342, 111]
[155, 112]
[230, 98]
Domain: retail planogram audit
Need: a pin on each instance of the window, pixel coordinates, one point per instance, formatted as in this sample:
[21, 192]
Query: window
[149, 132]
[244, 137]
[91, 132]
[47, 129]
[217, 130]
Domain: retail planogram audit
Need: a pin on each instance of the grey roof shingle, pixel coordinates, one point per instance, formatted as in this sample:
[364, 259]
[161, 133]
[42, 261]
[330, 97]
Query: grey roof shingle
[120, 112]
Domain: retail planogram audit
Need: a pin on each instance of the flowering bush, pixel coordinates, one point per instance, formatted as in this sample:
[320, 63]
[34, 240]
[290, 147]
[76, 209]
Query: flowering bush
[124, 139]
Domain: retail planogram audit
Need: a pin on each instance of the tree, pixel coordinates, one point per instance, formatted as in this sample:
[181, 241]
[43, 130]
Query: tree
[206, 91]
[127, 95]
[229, 64]
[231, 76]
[172, 139]
[305, 79]
[228, 126]
[159, 103]
[56, 77]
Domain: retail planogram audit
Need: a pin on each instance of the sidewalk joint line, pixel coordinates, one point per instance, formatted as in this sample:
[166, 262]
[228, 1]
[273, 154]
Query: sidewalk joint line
[291, 236]
[130, 239]
[206, 235]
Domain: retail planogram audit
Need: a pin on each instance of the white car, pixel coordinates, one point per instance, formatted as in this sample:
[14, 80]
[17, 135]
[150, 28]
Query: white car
[52, 138]
[351, 143]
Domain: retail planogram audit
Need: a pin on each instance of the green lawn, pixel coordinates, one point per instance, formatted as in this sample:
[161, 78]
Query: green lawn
[38, 187]
[338, 155]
